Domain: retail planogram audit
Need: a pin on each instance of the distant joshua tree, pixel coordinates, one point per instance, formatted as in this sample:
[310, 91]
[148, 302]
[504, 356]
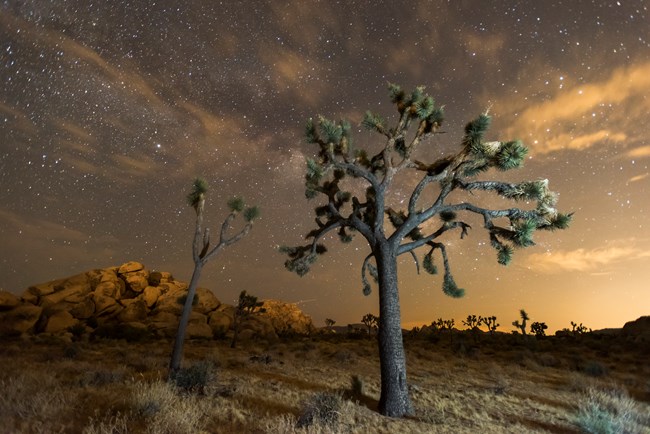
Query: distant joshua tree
[246, 305]
[445, 324]
[348, 212]
[202, 252]
[371, 321]
[578, 329]
[521, 325]
[538, 328]
[472, 321]
[329, 323]
[490, 322]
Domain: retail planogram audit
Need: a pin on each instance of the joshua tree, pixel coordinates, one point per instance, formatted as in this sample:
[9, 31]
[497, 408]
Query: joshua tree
[347, 212]
[490, 322]
[246, 305]
[447, 324]
[578, 329]
[371, 321]
[538, 328]
[521, 325]
[202, 252]
[329, 323]
[472, 321]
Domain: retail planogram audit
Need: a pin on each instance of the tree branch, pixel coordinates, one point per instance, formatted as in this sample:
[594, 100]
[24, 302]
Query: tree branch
[409, 247]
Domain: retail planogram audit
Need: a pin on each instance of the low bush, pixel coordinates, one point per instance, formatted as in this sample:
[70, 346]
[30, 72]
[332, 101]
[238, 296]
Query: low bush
[197, 379]
[608, 412]
[321, 408]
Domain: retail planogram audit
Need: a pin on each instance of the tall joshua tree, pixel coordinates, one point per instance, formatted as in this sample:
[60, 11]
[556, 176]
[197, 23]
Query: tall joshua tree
[521, 325]
[346, 212]
[202, 252]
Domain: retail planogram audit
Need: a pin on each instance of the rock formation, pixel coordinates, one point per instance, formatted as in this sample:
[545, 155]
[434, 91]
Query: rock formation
[638, 330]
[131, 296]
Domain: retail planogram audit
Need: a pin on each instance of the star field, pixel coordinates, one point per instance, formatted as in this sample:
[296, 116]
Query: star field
[108, 110]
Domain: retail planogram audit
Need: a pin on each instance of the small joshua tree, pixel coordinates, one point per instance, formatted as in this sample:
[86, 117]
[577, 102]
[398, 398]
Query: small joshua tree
[203, 251]
[538, 328]
[490, 322]
[472, 321]
[246, 305]
[425, 219]
[578, 329]
[446, 324]
[371, 321]
[521, 325]
[329, 323]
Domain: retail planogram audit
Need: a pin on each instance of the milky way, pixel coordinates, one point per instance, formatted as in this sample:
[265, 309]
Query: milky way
[108, 110]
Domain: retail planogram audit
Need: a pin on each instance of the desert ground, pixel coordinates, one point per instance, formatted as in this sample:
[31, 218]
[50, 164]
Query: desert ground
[327, 383]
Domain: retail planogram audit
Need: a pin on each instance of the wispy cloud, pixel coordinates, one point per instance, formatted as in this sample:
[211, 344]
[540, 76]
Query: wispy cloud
[638, 177]
[578, 143]
[572, 116]
[641, 152]
[623, 84]
[586, 260]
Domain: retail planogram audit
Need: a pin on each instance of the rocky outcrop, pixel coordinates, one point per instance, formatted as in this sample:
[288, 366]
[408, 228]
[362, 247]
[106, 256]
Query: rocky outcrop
[21, 319]
[8, 300]
[638, 330]
[131, 296]
[287, 318]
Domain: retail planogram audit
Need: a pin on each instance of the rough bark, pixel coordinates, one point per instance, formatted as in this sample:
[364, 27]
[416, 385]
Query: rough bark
[394, 400]
[177, 353]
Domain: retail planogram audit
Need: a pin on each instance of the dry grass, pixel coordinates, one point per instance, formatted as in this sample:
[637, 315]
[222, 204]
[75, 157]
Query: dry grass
[115, 387]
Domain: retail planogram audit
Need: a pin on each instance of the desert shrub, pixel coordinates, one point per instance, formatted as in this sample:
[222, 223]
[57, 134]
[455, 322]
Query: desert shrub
[35, 397]
[77, 330]
[343, 356]
[286, 424]
[595, 369]
[608, 412]
[109, 424]
[321, 408]
[548, 360]
[102, 377]
[356, 386]
[71, 351]
[198, 378]
[167, 412]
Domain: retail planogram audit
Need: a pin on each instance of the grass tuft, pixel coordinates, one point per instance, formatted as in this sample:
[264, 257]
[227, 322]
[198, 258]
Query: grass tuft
[322, 408]
[608, 412]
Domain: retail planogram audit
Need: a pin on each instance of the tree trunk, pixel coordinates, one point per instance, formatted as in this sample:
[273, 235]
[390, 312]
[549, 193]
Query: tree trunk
[177, 354]
[394, 400]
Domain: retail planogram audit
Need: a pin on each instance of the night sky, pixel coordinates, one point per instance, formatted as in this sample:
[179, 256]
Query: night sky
[109, 110]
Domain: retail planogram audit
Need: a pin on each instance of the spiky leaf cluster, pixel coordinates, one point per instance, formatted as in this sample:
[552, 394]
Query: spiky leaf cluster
[236, 204]
[447, 216]
[372, 270]
[419, 106]
[373, 121]
[197, 193]
[474, 131]
[301, 258]
[450, 288]
[428, 265]
[332, 137]
[251, 213]
[557, 222]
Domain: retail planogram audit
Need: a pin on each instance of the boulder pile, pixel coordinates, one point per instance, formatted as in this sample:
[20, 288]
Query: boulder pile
[130, 296]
